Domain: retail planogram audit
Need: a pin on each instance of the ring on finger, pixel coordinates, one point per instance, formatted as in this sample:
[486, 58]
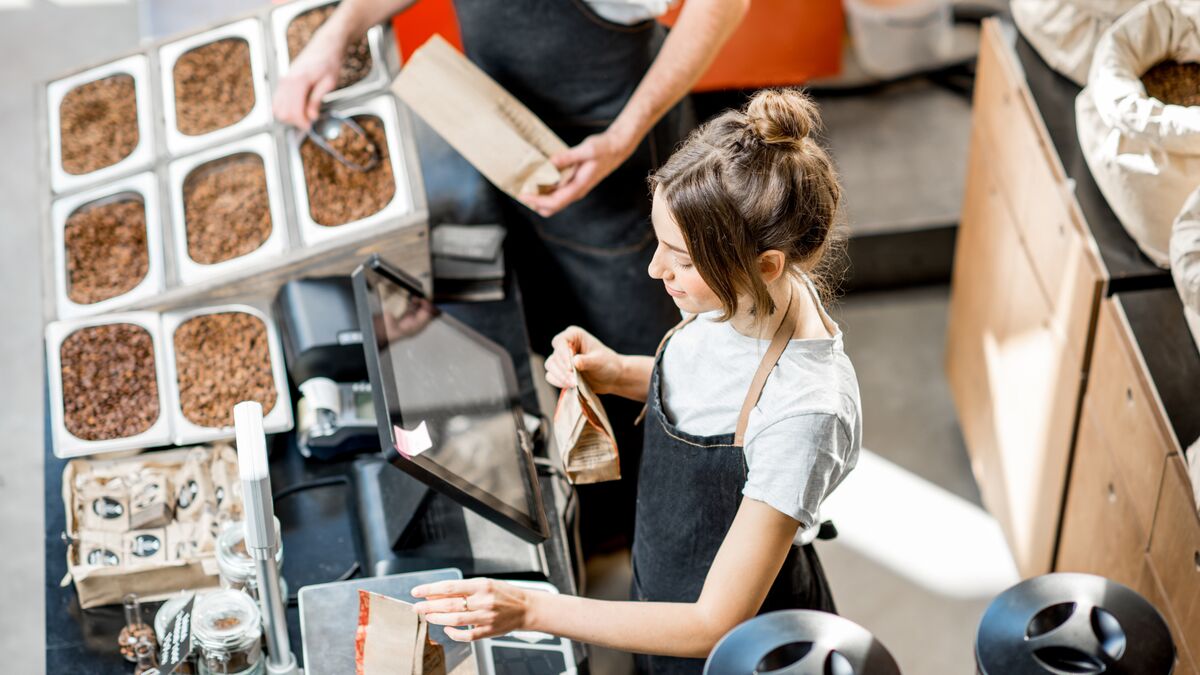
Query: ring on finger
[466, 604]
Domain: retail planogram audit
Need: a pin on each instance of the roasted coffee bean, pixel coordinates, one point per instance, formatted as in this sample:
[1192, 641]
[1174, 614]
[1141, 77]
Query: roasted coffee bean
[338, 194]
[357, 64]
[226, 208]
[98, 124]
[110, 388]
[106, 250]
[214, 86]
[222, 360]
[1174, 83]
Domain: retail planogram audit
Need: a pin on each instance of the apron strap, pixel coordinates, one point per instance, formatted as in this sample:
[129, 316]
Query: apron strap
[662, 343]
[783, 334]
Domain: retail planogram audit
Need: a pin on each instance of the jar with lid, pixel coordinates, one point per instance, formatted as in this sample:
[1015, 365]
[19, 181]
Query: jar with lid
[227, 632]
[236, 567]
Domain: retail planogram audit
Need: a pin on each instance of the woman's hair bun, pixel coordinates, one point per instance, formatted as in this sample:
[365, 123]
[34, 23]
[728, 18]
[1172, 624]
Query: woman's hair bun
[781, 116]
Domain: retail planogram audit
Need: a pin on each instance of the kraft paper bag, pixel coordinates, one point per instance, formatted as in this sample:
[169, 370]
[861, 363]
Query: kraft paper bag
[393, 640]
[494, 131]
[585, 436]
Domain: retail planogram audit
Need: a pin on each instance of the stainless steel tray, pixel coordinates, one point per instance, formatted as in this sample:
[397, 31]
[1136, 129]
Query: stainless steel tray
[185, 432]
[250, 30]
[379, 76]
[189, 271]
[143, 185]
[138, 66]
[384, 108]
[67, 444]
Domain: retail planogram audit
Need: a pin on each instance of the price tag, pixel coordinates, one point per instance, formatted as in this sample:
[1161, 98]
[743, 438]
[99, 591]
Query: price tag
[177, 643]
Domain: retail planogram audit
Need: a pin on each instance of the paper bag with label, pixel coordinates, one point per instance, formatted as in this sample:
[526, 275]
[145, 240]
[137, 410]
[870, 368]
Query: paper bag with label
[498, 135]
[585, 436]
[393, 640]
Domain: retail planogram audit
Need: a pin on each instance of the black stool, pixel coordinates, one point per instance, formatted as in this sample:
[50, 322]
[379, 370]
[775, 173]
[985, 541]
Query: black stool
[1072, 623]
[800, 642]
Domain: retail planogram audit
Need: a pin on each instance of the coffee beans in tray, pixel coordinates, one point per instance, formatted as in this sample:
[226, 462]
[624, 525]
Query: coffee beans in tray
[357, 63]
[226, 208]
[1174, 83]
[98, 124]
[220, 360]
[109, 381]
[214, 86]
[339, 194]
[106, 250]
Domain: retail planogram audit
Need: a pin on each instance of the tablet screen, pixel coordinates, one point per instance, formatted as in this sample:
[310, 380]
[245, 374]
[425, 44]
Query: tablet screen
[452, 412]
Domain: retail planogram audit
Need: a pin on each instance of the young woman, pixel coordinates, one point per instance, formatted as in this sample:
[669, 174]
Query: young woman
[753, 413]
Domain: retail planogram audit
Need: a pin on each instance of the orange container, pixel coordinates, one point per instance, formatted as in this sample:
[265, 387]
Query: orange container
[780, 42]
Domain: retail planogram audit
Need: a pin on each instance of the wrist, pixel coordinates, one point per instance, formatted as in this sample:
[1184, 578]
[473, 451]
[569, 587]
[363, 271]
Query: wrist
[627, 134]
[534, 611]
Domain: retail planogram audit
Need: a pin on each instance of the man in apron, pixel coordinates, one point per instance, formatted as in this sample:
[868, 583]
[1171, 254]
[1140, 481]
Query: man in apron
[606, 77]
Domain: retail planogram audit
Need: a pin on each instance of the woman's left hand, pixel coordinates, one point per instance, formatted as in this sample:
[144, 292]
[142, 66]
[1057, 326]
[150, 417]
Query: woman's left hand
[582, 167]
[490, 607]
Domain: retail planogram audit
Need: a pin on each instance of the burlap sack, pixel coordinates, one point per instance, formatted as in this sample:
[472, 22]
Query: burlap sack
[1065, 32]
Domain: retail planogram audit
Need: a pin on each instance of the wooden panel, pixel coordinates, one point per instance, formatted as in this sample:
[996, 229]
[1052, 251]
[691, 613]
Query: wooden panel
[1151, 589]
[1175, 550]
[1100, 530]
[1125, 413]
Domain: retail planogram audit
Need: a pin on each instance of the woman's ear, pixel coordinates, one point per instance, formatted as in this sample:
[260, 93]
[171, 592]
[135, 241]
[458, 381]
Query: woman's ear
[771, 265]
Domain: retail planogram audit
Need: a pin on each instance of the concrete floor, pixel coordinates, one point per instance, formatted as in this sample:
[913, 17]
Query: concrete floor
[918, 583]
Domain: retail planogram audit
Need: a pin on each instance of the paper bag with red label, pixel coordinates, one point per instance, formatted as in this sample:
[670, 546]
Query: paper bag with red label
[393, 640]
[585, 436]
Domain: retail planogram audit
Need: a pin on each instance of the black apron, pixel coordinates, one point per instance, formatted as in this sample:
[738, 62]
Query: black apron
[586, 265]
[690, 489]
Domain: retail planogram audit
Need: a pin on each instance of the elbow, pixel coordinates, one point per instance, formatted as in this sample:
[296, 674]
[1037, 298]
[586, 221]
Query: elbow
[710, 627]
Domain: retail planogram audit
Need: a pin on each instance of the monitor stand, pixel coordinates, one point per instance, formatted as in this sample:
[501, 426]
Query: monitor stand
[407, 527]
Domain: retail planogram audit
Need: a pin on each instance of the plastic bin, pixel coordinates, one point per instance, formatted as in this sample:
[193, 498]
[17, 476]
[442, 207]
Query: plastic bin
[893, 38]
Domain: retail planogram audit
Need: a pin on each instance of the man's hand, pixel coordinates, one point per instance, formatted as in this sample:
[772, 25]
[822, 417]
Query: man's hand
[583, 167]
[313, 74]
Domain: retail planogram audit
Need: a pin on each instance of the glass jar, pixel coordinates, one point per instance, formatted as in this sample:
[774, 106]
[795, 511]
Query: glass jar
[236, 567]
[227, 632]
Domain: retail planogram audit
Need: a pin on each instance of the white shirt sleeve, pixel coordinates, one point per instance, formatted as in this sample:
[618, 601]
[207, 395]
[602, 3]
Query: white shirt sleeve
[795, 463]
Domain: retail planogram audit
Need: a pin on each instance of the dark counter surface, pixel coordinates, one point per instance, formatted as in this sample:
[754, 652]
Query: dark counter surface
[1054, 95]
[1166, 343]
[319, 536]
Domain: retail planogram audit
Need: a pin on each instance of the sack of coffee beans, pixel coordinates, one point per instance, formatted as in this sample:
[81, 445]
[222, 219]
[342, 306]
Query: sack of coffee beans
[1145, 152]
[142, 547]
[100, 549]
[150, 500]
[103, 505]
[1065, 32]
[1185, 263]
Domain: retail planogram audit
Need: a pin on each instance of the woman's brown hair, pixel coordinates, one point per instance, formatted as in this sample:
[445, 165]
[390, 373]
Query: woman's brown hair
[750, 181]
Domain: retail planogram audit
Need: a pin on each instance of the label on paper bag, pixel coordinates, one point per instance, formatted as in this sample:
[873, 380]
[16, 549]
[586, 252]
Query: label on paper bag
[585, 436]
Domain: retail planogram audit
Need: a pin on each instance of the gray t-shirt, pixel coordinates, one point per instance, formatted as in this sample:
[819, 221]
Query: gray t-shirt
[804, 435]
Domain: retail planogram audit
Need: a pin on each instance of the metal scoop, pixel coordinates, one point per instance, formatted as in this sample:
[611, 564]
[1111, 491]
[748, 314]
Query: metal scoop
[328, 128]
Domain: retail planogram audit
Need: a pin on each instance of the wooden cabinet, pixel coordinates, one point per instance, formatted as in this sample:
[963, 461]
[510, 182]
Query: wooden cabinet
[1025, 286]
[1151, 589]
[1101, 533]
[1175, 551]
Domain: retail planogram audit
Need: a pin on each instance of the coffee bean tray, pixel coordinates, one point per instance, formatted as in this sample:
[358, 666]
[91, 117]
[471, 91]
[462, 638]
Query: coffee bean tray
[143, 151]
[259, 115]
[141, 187]
[276, 418]
[66, 443]
[312, 233]
[169, 426]
[230, 273]
[377, 78]
[189, 270]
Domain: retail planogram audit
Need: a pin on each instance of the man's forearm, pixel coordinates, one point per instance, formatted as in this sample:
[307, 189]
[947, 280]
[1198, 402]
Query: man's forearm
[352, 18]
[702, 29]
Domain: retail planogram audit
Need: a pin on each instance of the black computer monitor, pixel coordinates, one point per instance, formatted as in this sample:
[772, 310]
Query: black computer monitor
[447, 402]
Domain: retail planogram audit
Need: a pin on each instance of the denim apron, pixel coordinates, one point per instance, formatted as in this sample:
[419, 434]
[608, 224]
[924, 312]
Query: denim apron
[586, 265]
[690, 489]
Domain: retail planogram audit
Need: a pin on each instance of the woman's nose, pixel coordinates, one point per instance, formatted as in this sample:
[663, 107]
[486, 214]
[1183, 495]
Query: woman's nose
[657, 269]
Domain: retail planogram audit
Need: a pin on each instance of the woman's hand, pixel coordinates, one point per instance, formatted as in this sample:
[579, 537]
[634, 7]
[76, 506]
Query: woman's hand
[582, 167]
[490, 607]
[575, 349]
[313, 74]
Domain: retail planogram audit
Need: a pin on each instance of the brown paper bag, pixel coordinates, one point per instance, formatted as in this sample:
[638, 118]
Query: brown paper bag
[585, 436]
[393, 640]
[498, 135]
